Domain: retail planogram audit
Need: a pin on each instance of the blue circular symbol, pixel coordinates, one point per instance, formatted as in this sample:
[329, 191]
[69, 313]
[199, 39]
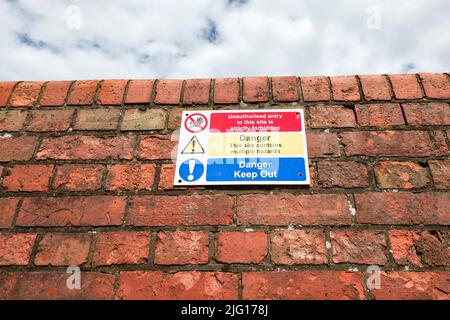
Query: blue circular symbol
[191, 170]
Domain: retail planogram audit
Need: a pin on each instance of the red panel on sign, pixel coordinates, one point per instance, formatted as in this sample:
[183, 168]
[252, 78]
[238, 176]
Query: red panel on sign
[256, 122]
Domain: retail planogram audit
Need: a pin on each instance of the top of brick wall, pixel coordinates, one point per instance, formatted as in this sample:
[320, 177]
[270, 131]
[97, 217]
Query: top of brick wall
[424, 86]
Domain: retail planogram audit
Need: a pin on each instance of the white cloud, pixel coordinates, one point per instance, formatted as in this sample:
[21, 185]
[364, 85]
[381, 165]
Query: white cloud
[169, 39]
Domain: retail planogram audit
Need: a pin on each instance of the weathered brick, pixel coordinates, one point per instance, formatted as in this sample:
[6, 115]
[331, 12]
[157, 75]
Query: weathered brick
[345, 174]
[12, 120]
[404, 175]
[256, 89]
[430, 114]
[362, 247]
[226, 90]
[7, 211]
[157, 147]
[181, 210]
[186, 285]
[63, 249]
[6, 88]
[406, 86]
[403, 208]
[345, 88]
[379, 115]
[284, 89]
[332, 117]
[405, 285]
[394, 143]
[440, 170]
[112, 92]
[15, 249]
[86, 148]
[168, 92]
[53, 285]
[97, 119]
[147, 119]
[28, 178]
[322, 144]
[302, 285]
[230, 248]
[283, 209]
[298, 247]
[139, 91]
[196, 91]
[83, 92]
[436, 85]
[71, 211]
[315, 89]
[78, 177]
[375, 87]
[130, 247]
[55, 93]
[130, 177]
[16, 148]
[182, 247]
[166, 177]
[50, 120]
[26, 94]
[419, 248]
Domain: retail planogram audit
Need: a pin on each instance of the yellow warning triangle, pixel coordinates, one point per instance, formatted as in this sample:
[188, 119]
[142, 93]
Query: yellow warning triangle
[193, 147]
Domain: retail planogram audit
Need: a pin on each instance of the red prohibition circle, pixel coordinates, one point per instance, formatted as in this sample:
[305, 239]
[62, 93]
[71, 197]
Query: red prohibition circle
[200, 127]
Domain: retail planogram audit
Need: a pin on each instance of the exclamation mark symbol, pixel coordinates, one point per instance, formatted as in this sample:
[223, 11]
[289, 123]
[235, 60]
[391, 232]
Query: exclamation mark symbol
[193, 146]
[191, 169]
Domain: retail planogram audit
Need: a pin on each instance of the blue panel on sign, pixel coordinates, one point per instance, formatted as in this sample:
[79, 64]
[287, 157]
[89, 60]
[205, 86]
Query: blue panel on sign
[256, 169]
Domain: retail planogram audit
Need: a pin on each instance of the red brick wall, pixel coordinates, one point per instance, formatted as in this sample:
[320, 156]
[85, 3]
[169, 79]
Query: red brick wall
[86, 180]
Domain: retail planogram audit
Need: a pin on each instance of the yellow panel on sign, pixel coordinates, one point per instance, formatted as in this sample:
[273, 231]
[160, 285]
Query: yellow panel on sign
[255, 144]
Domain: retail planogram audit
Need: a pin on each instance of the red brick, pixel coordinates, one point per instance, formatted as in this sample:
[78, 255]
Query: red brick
[83, 92]
[345, 88]
[375, 87]
[394, 143]
[168, 92]
[256, 89]
[182, 247]
[97, 119]
[6, 88]
[406, 86]
[63, 249]
[16, 148]
[26, 94]
[55, 93]
[131, 247]
[298, 247]
[343, 174]
[130, 177]
[322, 144]
[15, 249]
[283, 209]
[86, 147]
[147, 119]
[436, 85]
[78, 177]
[241, 247]
[403, 208]
[157, 147]
[7, 211]
[419, 248]
[284, 89]
[12, 120]
[431, 114]
[28, 178]
[53, 285]
[405, 285]
[226, 90]
[379, 115]
[183, 210]
[332, 117]
[166, 177]
[315, 89]
[440, 170]
[185, 285]
[302, 285]
[71, 211]
[196, 91]
[50, 120]
[112, 92]
[404, 175]
[362, 247]
[139, 91]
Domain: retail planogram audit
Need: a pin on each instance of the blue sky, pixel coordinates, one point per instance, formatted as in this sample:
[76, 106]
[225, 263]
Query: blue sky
[82, 39]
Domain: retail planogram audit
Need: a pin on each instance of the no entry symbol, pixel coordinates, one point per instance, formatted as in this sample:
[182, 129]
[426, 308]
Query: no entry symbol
[195, 123]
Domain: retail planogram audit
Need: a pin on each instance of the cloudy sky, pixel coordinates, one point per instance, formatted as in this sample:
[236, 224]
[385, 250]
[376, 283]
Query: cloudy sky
[85, 39]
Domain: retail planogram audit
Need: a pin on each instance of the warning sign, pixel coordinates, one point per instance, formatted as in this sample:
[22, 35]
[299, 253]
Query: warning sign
[242, 147]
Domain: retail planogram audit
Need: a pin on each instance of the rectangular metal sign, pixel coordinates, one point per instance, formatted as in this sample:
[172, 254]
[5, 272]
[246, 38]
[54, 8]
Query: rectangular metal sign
[251, 147]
